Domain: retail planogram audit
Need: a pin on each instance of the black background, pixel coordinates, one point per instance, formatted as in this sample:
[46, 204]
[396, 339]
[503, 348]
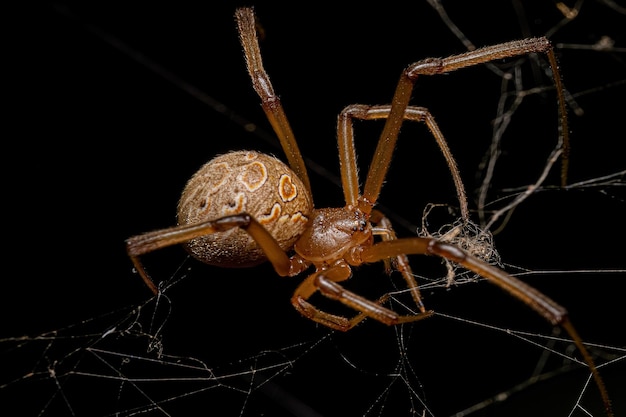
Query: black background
[101, 145]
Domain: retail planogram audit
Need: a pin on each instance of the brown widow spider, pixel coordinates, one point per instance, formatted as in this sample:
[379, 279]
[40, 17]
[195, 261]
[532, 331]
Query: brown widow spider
[243, 208]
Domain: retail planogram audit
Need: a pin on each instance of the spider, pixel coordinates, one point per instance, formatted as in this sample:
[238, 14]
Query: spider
[243, 208]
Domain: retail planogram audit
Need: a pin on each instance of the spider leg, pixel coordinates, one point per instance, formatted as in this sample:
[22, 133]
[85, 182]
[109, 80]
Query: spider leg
[269, 100]
[542, 304]
[432, 66]
[151, 241]
[347, 153]
[385, 230]
[326, 282]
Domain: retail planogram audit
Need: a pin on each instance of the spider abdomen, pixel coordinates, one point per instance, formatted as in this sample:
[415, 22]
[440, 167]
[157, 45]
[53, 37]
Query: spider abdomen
[244, 182]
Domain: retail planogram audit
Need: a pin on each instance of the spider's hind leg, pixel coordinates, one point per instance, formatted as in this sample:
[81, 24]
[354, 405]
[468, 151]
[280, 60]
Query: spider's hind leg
[151, 241]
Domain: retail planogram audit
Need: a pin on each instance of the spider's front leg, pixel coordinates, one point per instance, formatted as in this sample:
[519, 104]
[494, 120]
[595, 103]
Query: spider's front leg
[540, 303]
[434, 66]
[378, 170]
[326, 282]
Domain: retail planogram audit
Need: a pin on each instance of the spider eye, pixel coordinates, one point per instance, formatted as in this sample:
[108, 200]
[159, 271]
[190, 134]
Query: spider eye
[359, 226]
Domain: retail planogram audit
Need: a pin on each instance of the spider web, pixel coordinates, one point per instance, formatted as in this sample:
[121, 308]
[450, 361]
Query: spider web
[80, 334]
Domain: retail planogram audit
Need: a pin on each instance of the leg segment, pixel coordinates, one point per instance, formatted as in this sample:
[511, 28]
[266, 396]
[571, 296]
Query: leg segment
[543, 305]
[385, 230]
[326, 282]
[347, 153]
[151, 241]
[269, 100]
[433, 66]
